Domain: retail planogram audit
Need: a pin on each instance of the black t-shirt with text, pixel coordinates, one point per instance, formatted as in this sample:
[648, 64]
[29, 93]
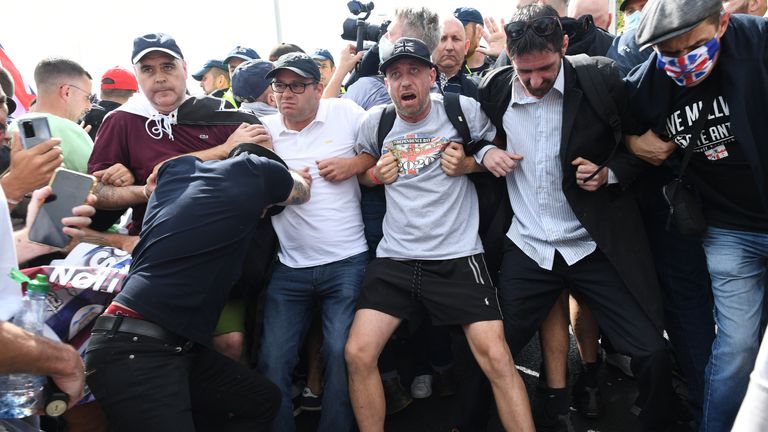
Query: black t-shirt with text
[718, 166]
[199, 224]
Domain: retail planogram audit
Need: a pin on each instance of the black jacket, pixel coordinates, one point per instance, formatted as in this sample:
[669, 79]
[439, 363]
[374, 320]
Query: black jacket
[610, 215]
[743, 66]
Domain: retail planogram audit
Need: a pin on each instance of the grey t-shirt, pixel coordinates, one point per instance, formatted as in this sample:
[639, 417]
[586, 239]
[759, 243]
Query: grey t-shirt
[430, 215]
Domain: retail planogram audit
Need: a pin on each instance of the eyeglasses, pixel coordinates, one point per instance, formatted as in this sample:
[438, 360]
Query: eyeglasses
[91, 97]
[543, 26]
[296, 87]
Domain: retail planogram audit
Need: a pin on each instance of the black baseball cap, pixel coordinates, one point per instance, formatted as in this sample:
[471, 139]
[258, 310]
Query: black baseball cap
[297, 62]
[154, 42]
[407, 47]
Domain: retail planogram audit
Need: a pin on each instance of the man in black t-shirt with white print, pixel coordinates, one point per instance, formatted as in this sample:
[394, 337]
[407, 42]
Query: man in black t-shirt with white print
[707, 59]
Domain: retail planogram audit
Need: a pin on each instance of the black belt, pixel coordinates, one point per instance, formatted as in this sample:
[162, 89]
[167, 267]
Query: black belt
[111, 324]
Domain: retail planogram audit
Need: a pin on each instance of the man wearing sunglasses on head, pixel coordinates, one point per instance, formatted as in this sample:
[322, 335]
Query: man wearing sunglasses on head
[575, 225]
[707, 59]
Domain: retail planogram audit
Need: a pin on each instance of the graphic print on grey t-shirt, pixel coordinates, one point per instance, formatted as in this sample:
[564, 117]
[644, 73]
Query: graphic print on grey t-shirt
[415, 151]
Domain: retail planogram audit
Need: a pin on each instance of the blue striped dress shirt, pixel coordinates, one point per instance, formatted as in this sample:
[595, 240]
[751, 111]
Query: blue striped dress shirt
[544, 221]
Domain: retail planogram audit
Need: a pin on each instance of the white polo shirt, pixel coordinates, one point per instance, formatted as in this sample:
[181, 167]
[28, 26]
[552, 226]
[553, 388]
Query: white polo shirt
[329, 227]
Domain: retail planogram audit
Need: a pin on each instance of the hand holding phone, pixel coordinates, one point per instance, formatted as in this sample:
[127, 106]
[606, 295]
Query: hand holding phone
[70, 189]
[34, 130]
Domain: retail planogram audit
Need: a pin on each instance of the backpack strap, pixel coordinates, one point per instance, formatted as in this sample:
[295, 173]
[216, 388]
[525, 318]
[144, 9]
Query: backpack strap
[596, 93]
[600, 100]
[386, 122]
[452, 104]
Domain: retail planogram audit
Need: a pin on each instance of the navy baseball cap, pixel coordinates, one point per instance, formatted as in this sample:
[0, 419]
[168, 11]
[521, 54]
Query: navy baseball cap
[207, 66]
[406, 47]
[154, 42]
[322, 54]
[468, 15]
[242, 52]
[297, 62]
[250, 79]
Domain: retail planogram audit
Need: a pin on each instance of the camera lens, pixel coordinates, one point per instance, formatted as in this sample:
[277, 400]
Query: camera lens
[29, 130]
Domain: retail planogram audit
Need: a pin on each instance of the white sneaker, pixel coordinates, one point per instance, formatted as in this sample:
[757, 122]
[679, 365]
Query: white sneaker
[421, 387]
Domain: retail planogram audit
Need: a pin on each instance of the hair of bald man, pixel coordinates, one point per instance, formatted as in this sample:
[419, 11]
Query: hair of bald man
[421, 24]
[52, 71]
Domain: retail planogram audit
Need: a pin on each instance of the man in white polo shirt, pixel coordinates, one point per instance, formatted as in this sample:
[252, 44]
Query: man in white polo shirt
[322, 250]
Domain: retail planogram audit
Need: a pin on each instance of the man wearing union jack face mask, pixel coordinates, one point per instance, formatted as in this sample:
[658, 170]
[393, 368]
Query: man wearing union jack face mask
[707, 60]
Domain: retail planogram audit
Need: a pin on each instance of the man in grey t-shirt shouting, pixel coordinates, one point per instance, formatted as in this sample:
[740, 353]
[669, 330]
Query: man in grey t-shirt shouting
[431, 255]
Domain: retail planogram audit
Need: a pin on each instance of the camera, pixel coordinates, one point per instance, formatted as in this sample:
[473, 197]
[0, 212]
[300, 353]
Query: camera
[356, 29]
[357, 8]
[371, 32]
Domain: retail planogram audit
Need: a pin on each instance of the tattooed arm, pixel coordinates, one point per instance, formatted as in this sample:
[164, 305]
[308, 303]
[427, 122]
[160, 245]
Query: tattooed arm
[301, 184]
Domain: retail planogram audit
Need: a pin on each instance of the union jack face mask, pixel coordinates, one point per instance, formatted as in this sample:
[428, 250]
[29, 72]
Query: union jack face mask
[690, 68]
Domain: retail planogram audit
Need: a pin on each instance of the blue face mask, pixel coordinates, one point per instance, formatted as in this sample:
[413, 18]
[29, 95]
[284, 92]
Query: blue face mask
[632, 20]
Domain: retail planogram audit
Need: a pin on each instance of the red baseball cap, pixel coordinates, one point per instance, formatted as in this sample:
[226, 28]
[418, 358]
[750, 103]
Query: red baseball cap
[119, 78]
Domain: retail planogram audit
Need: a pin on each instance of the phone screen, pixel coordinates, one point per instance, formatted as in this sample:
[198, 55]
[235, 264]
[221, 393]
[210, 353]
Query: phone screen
[33, 131]
[70, 189]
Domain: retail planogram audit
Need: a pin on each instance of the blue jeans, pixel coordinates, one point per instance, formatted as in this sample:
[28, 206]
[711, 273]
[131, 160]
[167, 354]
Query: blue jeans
[738, 266]
[287, 313]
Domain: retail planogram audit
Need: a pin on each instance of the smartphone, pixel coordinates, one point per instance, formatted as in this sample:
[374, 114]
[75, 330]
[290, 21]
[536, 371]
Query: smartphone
[70, 189]
[34, 130]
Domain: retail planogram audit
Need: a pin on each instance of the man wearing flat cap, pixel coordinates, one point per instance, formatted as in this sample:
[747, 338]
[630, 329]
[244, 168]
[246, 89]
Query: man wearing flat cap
[708, 60]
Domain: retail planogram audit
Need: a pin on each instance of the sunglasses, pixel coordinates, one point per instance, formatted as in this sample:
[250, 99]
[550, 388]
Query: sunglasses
[543, 26]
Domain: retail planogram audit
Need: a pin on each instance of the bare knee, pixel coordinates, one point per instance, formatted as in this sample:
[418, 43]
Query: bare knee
[359, 355]
[230, 344]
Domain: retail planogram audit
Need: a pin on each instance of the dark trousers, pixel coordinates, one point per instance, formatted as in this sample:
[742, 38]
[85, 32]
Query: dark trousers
[145, 384]
[527, 293]
[685, 286]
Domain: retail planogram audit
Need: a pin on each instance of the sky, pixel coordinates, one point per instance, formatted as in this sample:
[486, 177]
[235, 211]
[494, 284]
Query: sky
[99, 34]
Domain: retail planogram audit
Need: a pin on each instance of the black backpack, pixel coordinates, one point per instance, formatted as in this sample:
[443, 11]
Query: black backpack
[491, 192]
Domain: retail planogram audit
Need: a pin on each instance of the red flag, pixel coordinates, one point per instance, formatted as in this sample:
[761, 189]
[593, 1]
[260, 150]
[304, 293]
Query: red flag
[23, 94]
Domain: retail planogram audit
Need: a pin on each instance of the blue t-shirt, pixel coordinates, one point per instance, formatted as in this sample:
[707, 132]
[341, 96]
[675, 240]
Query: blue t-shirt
[198, 227]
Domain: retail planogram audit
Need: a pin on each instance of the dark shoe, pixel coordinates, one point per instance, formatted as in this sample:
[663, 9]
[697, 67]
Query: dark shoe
[587, 401]
[550, 411]
[444, 383]
[310, 401]
[395, 395]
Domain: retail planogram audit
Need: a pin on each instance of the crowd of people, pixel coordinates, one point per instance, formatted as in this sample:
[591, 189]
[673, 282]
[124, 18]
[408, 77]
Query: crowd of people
[290, 218]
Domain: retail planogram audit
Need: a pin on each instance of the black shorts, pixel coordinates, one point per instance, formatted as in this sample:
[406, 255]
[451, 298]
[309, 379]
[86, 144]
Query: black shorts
[454, 291]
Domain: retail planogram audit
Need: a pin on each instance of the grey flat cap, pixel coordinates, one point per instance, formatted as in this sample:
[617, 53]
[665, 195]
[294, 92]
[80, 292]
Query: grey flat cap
[665, 19]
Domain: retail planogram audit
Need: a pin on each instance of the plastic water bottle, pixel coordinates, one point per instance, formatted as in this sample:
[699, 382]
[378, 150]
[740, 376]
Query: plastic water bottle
[21, 395]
